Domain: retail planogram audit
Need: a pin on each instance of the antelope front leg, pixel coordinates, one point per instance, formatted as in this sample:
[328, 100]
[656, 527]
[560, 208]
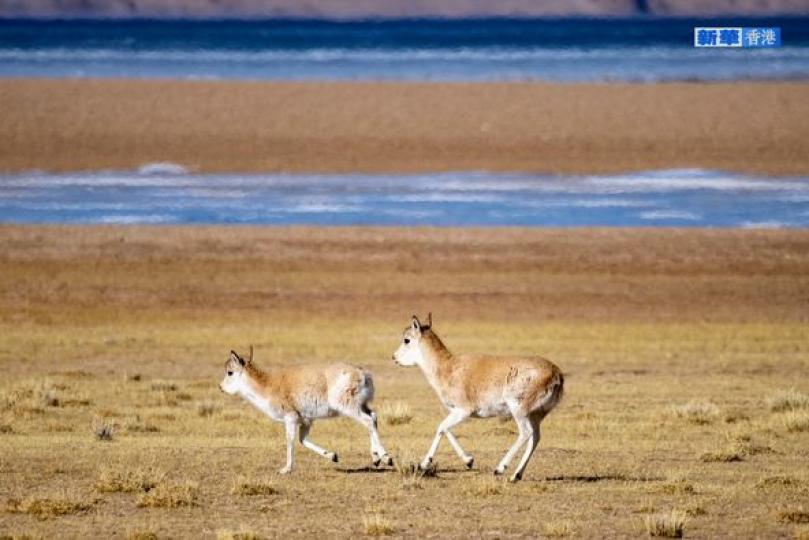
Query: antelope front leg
[455, 417]
[291, 423]
[466, 458]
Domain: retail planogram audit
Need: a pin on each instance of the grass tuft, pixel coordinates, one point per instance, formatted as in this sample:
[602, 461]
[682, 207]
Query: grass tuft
[103, 429]
[118, 479]
[778, 481]
[730, 454]
[788, 400]
[208, 407]
[557, 529]
[697, 412]
[169, 496]
[737, 448]
[137, 425]
[678, 486]
[695, 510]
[412, 468]
[396, 413]
[669, 525]
[795, 421]
[246, 487]
[45, 507]
[164, 386]
[377, 525]
[484, 486]
[142, 535]
[793, 515]
[32, 397]
[241, 534]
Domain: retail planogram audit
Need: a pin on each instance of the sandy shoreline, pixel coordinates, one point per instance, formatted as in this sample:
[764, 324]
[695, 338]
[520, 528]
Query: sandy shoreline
[64, 125]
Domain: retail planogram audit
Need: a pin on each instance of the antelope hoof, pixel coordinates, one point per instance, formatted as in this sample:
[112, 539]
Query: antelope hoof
[388, 460]
[469, 462]
[499, 471]
[426, 464]
[516, 478]
[376, 461]
[333, 457]
[285, 470]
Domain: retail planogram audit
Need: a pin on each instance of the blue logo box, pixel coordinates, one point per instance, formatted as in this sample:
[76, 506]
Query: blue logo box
[735, 36]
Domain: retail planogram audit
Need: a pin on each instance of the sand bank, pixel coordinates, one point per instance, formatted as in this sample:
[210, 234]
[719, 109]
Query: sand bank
[65, 125]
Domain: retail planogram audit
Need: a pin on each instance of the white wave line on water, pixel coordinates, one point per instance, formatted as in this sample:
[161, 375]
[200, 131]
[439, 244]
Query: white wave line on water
[689, 196]
[162, 168]
[670, 214]
[381, 54]
[132, 219]
[772, 224]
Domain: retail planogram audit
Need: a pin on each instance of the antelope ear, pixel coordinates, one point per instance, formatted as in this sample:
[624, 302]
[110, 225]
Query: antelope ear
[235, 357]
[416, 324]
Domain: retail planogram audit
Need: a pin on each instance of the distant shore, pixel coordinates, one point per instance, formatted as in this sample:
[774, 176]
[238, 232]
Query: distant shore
[70, 125]
[364, 9]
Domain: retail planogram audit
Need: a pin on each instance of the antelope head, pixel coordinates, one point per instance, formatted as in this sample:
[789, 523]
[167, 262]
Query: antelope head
[409, 353]
[235, 368]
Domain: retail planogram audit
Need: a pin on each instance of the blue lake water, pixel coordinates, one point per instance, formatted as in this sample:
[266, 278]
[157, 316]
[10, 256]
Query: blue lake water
[166, 194]
[638, 49]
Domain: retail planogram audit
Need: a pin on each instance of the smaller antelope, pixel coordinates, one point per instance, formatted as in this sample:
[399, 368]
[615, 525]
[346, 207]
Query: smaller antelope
[527, 388]
[297, 396]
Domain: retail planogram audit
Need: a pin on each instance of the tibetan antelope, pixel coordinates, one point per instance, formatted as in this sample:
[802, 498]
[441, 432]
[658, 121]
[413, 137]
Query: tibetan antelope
[297, 396]
[527, 388]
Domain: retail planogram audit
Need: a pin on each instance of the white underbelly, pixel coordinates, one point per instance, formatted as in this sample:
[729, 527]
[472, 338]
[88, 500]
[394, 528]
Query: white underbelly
[312, 412]
[494, 409]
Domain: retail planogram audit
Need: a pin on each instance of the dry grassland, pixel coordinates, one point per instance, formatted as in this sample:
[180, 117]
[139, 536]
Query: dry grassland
[686, 354]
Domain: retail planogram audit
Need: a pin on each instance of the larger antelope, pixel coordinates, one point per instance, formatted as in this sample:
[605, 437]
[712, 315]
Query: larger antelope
[526, 388]
[297, 396]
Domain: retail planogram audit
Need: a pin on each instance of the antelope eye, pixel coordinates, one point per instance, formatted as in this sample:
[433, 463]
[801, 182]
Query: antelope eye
[230, 373]
[406, 341]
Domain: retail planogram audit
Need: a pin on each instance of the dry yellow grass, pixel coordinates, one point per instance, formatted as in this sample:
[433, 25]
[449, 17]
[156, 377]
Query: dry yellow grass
[169, 496]
[786, 400]
[483, 487]
[794, 515]
[641, 322]
[141, 535]
[253, 486]
[794, 421]
[698, 412]
[669, 525]
[396, 413]
[241, 534]
[557, 529]
[49, 507]
[128, 478]
[377, 525]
